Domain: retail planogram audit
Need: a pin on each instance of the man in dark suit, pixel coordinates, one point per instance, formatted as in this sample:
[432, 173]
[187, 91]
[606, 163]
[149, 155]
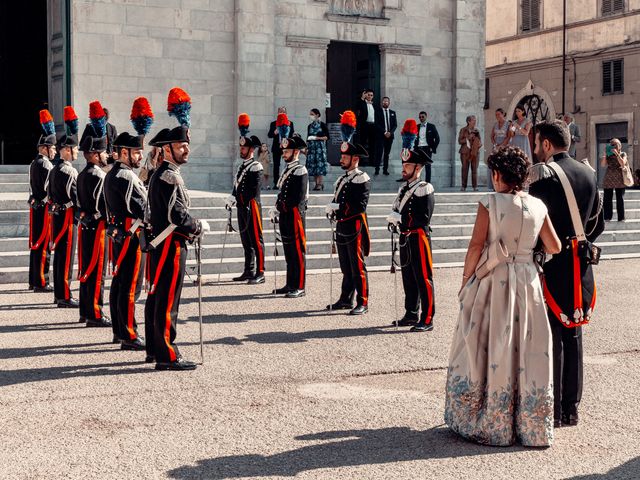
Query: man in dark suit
[569, 286]
[275, 146]
[112, 133]
[369, 117]
[387, 124]
[427, 140]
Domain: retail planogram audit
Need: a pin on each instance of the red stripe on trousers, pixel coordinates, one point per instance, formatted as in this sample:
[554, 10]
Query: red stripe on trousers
[172, 291]
[301, 243]
[427, 266]
[257, 228]
[359, 253]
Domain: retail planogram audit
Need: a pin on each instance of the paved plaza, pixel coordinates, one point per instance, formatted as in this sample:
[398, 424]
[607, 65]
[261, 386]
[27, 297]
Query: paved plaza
[288, 390]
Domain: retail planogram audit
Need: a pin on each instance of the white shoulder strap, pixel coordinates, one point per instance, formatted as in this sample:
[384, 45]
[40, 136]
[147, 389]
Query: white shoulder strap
[408, 195]
[571, 201]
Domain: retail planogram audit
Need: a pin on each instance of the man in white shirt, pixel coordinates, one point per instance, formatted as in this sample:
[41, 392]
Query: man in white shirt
[427, 140]
[387, 124]
[369, 116]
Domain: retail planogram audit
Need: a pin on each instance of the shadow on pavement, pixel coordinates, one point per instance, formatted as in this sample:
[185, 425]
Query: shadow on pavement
[339, 449]
[626, 471]
[36, 327]
[30, 375]
[78, 349]
[300, 337]
[221, 298]
[28, 306]
[246, 317]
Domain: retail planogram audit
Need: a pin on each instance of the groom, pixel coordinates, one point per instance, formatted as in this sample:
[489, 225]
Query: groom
[569, 286]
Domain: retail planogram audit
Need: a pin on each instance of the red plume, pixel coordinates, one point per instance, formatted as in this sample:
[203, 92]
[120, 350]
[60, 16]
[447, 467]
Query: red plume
[244, 120]
[96, 110]
[45, 116]
[348, 118]
[282, 119]
[141, 108]
[69, 114]
[410, 126]
[176, 96]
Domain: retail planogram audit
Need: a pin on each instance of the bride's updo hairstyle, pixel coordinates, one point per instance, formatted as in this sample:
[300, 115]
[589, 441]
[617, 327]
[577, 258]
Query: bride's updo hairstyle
[513, 165]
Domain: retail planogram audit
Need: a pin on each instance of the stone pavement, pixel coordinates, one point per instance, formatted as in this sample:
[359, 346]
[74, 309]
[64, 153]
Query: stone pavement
[288, 390]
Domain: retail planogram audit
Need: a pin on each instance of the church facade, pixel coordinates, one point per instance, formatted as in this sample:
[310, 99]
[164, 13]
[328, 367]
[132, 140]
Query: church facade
[250, 56]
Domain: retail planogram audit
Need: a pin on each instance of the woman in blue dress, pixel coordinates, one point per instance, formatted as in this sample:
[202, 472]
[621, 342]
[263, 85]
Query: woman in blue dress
[317, 136]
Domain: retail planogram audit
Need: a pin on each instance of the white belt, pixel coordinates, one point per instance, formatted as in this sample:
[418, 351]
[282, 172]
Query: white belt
[163, 235]
[137, 224]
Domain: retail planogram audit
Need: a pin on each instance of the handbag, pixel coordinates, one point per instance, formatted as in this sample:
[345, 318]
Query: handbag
[495, 252]
[627, 176]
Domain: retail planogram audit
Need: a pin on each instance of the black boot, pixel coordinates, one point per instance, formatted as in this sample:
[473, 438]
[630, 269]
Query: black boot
[259, 278]
[295, 294]
[179, 364]
[137, 344]
[243, 277]
[46, 289]
[71, 303]
[282, 291]
[340, 305]
[408, 320]
[100, 322]
[422, 327]
[359, 310]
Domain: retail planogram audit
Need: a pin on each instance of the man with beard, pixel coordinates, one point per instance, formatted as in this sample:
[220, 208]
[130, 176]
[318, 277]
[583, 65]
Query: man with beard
[348, 209]
[126, 199]
[246, 197]
[411, 217]
[91, 232]
[39, 208]
[569, 190]
[171, 227]
[289, 212]
[62, 189]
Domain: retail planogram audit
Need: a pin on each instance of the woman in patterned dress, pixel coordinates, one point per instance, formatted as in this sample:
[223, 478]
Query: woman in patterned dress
[317, 136]
[499, 382]
[614, 159]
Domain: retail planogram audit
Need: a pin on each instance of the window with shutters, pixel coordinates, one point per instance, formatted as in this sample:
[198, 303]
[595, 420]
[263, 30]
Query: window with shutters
[612, 77]
[530, 15]
[611, 7]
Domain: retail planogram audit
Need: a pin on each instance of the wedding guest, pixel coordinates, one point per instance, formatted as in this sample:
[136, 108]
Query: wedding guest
[317, 136]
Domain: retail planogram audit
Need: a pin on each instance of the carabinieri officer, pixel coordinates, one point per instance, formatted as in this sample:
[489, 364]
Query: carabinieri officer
[290, 212]
[411, 216]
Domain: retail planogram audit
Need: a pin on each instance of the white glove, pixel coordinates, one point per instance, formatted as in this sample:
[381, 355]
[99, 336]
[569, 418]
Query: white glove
[332, 207]
[274, 215]
[311, 137]
[204, 228]
[230, 202]
[394, 218]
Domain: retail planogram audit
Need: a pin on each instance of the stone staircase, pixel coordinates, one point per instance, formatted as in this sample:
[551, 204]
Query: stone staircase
[452, 226]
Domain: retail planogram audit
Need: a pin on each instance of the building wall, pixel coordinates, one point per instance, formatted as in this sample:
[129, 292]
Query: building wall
[251, 56]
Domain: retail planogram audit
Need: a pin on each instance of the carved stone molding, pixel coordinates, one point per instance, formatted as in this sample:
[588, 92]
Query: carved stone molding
[306, 42]
[339, 17]
[401, 49]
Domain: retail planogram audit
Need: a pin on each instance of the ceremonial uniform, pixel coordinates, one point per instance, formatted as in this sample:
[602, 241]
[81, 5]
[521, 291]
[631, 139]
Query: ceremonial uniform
[62, 190]
[246, 196]
[350, 198]
[291, 205]
[412, 211]
[39, 229]
[171, 227]
[126, 199]
[569, 286]
[92, 237]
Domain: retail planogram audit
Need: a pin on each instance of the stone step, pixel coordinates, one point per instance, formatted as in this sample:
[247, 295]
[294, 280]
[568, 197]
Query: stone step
[24, 169]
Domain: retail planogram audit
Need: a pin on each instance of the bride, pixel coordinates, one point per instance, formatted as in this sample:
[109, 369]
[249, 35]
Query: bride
[499, 381]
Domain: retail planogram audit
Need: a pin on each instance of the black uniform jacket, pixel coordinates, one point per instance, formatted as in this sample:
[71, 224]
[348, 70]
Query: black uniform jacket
[275, 146]
[91, 201]
[248, 182]
[169, 202]
[415, 202]
[294, 188]
[351, 193]
[124, 193]
[561, 281]
[38, 174]
[61, 186]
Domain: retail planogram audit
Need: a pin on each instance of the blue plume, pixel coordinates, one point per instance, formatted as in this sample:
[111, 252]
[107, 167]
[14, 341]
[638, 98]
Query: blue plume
[72, 126]
[142, 125]
[182, 112]
[244, 131]
[347, 132]
[283, 131]
[408, 139]
[49, 128]
[99, 126]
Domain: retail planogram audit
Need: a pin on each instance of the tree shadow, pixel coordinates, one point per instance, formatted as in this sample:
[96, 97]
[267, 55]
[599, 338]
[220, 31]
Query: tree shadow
[627, 471]
[301, 337]
[341, 449]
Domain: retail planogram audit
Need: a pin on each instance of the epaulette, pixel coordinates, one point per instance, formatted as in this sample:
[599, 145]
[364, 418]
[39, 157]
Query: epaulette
[424, 189]
[172, 177]
[69, 170]
[362, 178]
[300, 170]
[126, 174]
[256, 167]
[539, 171]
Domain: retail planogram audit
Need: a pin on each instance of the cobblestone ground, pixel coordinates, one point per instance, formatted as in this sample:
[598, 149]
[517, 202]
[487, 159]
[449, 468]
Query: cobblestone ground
[288, 390]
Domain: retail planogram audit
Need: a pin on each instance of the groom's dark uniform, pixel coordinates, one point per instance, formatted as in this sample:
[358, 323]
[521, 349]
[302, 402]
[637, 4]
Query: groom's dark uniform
[569, 286]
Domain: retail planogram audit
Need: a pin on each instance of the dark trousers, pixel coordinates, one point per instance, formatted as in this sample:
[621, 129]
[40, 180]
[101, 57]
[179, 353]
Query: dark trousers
[122, 296]
[91, 268]
[276, 167]
[63, 247]
[468, 162]
[417, 275]
[371, 136]
[39, 236]
[427, 168]
[608, 203]
[387, 143]
[250, 227]
[167, 266]
[349, 241]
[567, 367]
[294, 243]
